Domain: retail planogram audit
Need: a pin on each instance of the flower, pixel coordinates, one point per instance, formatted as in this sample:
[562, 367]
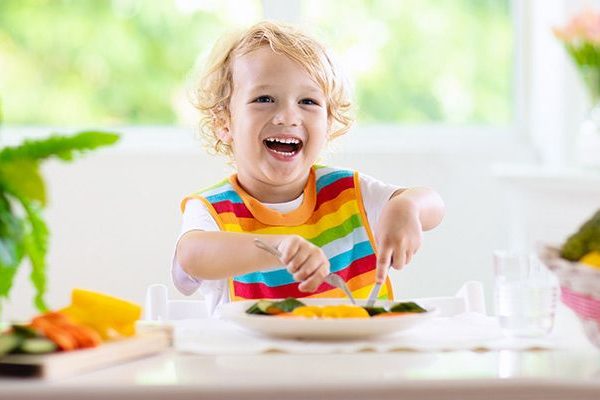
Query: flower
[582, 28]
[581, 38]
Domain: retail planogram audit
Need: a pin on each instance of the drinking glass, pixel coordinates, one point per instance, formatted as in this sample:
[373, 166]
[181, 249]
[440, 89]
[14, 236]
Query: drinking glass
[525, 294]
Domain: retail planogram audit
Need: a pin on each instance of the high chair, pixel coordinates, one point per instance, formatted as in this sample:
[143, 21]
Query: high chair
[159, 307]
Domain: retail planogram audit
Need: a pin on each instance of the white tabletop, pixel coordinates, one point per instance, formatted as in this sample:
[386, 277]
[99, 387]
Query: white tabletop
[458, 374]
[571, 374]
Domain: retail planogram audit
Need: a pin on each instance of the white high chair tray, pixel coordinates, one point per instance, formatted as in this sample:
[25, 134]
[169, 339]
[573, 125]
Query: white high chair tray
[320, 328]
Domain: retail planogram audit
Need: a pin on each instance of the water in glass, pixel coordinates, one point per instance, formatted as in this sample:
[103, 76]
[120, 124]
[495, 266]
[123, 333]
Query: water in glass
[525, 295]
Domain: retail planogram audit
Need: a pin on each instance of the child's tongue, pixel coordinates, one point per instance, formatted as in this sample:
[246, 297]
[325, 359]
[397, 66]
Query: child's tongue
[286, 147]
[283, 147]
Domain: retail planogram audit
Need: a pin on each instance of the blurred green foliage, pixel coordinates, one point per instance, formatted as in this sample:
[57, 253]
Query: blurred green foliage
[121, 62]
[24, 233]
[98, 61]
[424, 61]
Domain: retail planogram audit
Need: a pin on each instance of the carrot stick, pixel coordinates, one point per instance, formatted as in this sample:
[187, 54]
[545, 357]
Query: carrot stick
[63, 339]
[84, 336]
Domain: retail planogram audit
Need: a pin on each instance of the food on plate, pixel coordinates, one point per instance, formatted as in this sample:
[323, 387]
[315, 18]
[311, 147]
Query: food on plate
[583, 242]
[269, 307]
[292, 307]
[339, 311]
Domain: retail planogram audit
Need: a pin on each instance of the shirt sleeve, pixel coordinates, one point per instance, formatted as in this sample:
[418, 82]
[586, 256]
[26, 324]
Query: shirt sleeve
[375, 195]
[197, 217]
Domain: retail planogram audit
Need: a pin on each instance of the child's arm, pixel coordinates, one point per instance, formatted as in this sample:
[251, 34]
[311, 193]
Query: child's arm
[220, 255]
[403, 219]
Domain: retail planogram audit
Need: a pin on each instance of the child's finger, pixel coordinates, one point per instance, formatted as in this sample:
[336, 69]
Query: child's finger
[398, 259]
[289, 249]
[308, 268]
[384, 259]
[299, 259]
[311, 283]
[304, 270]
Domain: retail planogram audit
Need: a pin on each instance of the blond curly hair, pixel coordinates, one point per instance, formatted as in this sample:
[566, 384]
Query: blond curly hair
[213, 93]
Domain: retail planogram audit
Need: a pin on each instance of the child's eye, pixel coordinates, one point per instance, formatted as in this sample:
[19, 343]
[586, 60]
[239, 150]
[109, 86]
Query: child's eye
[264, 99]
[309, 102]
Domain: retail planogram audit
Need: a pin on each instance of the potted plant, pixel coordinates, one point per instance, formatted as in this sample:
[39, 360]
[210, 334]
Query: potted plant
[23, 232]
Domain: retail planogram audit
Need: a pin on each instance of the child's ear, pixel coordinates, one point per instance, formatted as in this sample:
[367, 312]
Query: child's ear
[224, 135]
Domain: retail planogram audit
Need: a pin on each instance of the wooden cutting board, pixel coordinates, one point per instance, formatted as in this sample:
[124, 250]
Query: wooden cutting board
[149, 340]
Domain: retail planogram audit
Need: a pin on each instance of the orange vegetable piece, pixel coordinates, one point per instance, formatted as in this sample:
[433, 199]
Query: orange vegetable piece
[391, 314]
[67, 334]
[287, 315]
[63, 339]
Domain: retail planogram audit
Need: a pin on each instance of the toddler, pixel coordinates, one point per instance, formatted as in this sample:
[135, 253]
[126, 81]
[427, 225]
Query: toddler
[271, 98]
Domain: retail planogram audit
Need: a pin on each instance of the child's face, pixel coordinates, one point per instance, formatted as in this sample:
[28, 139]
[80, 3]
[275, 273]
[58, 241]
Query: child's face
[278, 121]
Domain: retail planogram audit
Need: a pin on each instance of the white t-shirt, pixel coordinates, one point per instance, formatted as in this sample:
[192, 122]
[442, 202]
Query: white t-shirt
[197, 217]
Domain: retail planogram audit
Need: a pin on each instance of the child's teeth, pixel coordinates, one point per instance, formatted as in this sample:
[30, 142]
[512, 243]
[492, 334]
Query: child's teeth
[288, 140]
[284, 153]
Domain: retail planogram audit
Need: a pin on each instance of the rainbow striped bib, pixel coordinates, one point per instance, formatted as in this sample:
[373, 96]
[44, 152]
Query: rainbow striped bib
[331, 216]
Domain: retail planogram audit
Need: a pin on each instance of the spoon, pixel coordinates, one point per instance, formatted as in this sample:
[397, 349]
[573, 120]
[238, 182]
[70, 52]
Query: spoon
[333, 279]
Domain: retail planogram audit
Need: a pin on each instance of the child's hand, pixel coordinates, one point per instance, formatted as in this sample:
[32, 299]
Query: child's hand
[398, 236]
[305, 261]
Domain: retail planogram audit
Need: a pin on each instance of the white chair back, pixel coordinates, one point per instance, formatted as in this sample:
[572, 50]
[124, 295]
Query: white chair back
[469, 298]
[159, 307]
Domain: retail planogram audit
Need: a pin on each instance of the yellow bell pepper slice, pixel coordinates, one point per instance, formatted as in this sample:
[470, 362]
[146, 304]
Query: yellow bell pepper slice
[108, 315]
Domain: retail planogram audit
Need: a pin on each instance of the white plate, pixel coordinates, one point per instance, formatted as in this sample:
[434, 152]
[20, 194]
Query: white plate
[325, 328]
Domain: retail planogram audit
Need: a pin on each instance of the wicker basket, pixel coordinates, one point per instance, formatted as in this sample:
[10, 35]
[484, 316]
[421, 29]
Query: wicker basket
[580, 290]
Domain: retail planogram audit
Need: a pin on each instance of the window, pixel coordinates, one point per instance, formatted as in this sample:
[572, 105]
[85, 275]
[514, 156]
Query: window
[109, 62]
[423, 61]
[127, 62]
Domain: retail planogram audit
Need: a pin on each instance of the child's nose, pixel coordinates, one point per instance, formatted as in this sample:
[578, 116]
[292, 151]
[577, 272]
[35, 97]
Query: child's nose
[287, 115]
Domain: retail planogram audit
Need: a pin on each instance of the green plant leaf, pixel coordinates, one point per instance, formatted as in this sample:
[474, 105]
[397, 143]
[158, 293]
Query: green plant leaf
[36, 246]
[11, 245]
[63, 147]
[22, 177]
[24, 232]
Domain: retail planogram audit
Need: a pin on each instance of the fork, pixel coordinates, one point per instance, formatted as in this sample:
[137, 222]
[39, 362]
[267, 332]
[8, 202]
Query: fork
[333, 279]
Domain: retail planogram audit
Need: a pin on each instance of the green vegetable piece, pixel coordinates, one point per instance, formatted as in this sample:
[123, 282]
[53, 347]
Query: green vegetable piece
[407, 306]
[288, 305]
[264, 305]
[260, 307]
[585, 240]
[26, 332]
[375, 310]
[38, 345]
[269, 307]
[253, 309]
[9, 342]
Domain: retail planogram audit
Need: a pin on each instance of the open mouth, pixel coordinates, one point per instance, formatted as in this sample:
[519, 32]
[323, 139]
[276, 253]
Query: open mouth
[286, 147]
